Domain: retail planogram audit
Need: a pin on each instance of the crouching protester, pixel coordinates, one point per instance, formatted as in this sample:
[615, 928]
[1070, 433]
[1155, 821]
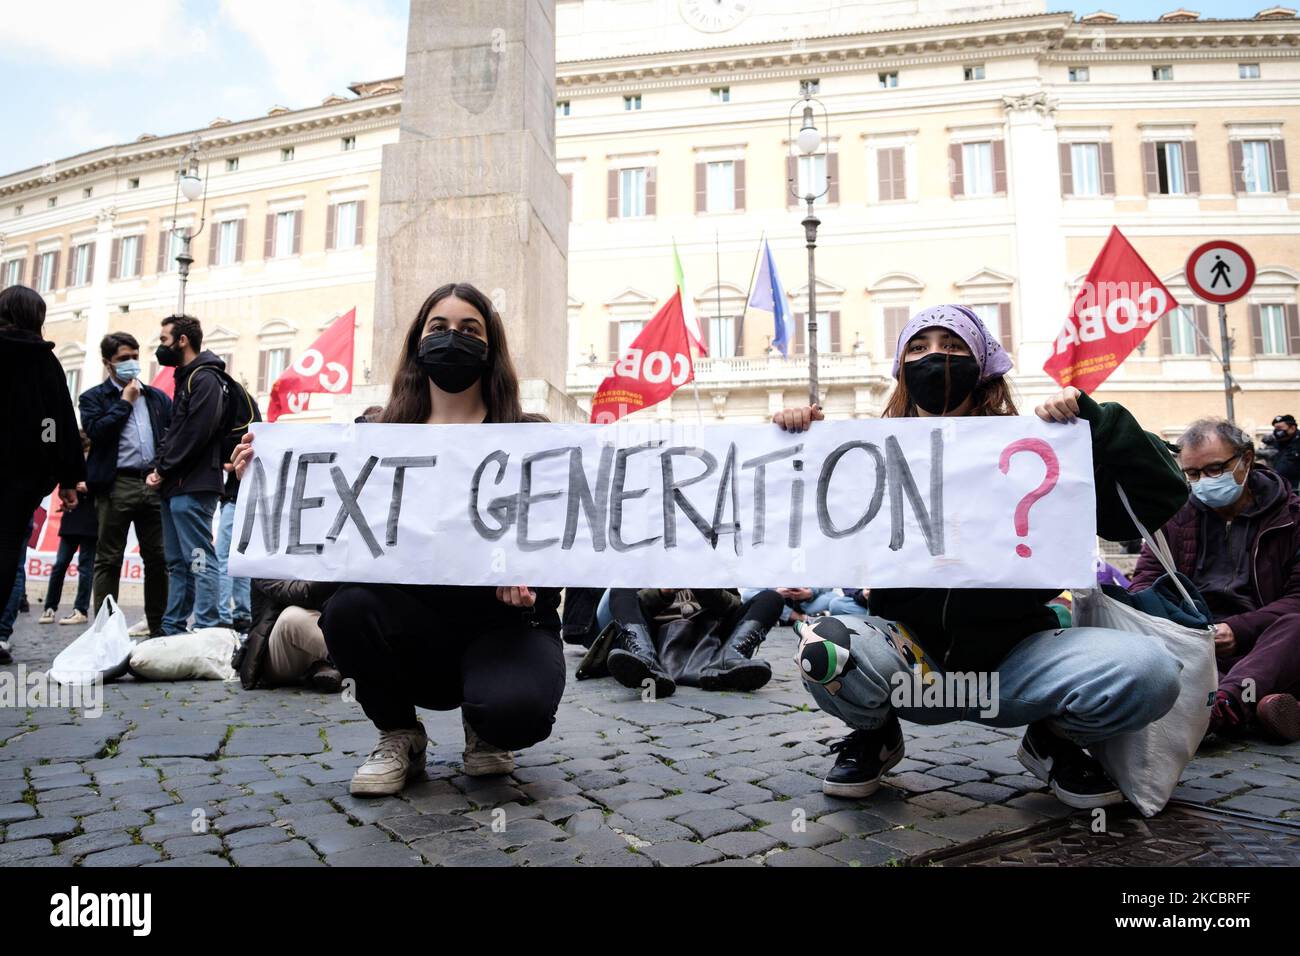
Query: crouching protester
[1071, 687]
[1238, 540]
[285, 644]
[495, 653]
[702, 638]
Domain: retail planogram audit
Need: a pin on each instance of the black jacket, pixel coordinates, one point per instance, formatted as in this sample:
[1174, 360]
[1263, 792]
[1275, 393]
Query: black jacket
[82, 521]
[38, 427]
[190, 456]
[104, 412]
[1284, 456]
[270, 598]
[973, 629]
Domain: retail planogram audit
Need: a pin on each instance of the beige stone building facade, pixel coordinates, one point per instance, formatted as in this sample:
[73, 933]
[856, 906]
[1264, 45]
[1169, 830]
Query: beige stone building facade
[976, 153]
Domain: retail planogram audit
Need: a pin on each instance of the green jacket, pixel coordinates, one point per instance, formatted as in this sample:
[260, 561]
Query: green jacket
[974, 629]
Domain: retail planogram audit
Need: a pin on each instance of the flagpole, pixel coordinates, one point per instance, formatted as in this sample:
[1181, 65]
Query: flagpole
[695, 381]
[749, 290]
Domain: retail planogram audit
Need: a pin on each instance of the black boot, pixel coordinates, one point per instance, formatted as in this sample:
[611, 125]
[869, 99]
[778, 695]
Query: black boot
[632, 659]
[734, 669]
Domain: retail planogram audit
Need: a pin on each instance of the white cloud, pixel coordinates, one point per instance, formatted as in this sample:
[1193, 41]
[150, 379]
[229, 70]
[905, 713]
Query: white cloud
[96, 34]
[311, 47]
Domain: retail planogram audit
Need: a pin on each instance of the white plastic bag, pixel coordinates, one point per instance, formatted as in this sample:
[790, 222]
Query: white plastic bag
[1147, 763]
[197, 655]
[100, 651]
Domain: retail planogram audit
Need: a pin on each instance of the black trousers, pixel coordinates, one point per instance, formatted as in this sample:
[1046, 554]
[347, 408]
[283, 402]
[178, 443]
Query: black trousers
[16, 507]
[764, 607]
[443, 648]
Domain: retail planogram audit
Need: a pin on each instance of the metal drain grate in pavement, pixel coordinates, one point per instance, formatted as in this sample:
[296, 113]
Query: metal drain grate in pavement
[1182, 835]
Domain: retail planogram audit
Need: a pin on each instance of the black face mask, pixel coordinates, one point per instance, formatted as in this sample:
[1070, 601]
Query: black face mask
[940, 383]
[1281, 434]
[453, 360]
[168, 355]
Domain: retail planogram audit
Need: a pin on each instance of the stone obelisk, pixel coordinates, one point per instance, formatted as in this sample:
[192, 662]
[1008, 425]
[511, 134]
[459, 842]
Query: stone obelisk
[470, 191]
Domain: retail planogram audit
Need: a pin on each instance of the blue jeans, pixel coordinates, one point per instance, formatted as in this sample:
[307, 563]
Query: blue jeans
[847, 607]
[1089, 683]
[15, 599]
[604, 616]
[85, 573]
[191, 562]
[238, 590]
[815, 605]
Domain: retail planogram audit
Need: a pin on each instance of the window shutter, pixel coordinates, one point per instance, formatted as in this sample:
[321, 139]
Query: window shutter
[297, 232]
[900, 173]
[895, 318]
[703, 321]
[1281, 181]
[72, 259]
[739, 172]
[955, 185]
[832, 178]
[1256, 330]
[1167, 332]
[1004, 328]
[1292, 330]
[162, 252]
[1191, 167]
[791, 182]
[835, 332]
[90, 264]
[651, 174]
[611, 194]
[214, 242]
[884, 175]
[330, 219]
[1067, 170]
[613, 341]
[268, 246]
[1237, 159]
[999, 151]
[261, 371]
[568, 191]
[360, 235]
[22, 268]
[1106, 159]
[239, 241]
[138, 268]
[36, 270]
[800, 326]
[1203, 327]
[1150, 169]
[701, 187]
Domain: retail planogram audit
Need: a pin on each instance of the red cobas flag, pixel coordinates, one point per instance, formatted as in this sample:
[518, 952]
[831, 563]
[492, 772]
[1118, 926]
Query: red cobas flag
[325, 367]
[654, 365]
[1117, 306]
[165, 380]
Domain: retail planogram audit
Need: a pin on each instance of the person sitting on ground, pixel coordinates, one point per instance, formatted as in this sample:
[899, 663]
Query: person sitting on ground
[285, 645]
[1238, 540]
[1072, 686]
[78, 531]
[698, 638]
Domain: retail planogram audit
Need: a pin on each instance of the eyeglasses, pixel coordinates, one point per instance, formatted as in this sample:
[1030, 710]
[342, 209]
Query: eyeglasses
[1212, 470]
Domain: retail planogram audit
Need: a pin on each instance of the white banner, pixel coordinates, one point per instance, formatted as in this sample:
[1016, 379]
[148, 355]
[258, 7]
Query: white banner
[970, 502]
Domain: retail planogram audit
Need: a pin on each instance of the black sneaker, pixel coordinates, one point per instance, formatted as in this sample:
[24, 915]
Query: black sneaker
[1074, 775]
[862, 759]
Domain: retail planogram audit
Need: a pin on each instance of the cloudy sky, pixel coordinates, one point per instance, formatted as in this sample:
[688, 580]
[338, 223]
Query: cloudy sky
[81, 74]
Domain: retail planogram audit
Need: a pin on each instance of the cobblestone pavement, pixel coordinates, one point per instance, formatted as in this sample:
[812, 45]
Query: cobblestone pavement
[202, 773]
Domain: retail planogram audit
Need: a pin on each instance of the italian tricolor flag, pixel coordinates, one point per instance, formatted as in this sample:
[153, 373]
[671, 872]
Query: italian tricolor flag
[688, 306]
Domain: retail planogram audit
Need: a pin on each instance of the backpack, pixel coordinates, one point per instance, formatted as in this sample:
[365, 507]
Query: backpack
[238, 409]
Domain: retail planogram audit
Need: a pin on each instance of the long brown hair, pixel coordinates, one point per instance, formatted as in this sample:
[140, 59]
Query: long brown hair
[990, 398]
[409, 401]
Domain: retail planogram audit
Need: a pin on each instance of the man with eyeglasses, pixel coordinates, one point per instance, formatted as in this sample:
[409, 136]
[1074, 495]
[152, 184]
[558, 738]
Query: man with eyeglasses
[1281, 449]
[1238, 540]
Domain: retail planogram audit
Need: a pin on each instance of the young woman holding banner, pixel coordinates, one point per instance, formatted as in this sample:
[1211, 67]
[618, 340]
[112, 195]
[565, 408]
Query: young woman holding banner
[1073, 687]
[493, 652]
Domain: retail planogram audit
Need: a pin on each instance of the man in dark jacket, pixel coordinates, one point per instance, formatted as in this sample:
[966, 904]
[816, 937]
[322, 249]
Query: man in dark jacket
[189, 474]
[38, 427]
[1281, 450]
[1238, 540]
[126, 420]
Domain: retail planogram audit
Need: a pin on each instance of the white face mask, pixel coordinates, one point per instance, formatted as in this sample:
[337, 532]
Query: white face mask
[1220, 492]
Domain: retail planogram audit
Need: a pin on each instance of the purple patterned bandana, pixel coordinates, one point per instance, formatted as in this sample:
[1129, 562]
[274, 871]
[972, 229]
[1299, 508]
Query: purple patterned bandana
[989, 354]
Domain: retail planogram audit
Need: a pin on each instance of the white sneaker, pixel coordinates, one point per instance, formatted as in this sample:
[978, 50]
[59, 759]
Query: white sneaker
[140, 629]
[76, 617]
[397, 758]
[481, 759]
[47, 616]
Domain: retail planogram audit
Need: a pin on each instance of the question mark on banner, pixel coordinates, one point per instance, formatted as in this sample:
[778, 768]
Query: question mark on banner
[1044, 451]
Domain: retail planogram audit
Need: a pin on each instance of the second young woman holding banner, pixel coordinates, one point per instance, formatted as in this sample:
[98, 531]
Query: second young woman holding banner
[1073, 687]
[493, 652]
